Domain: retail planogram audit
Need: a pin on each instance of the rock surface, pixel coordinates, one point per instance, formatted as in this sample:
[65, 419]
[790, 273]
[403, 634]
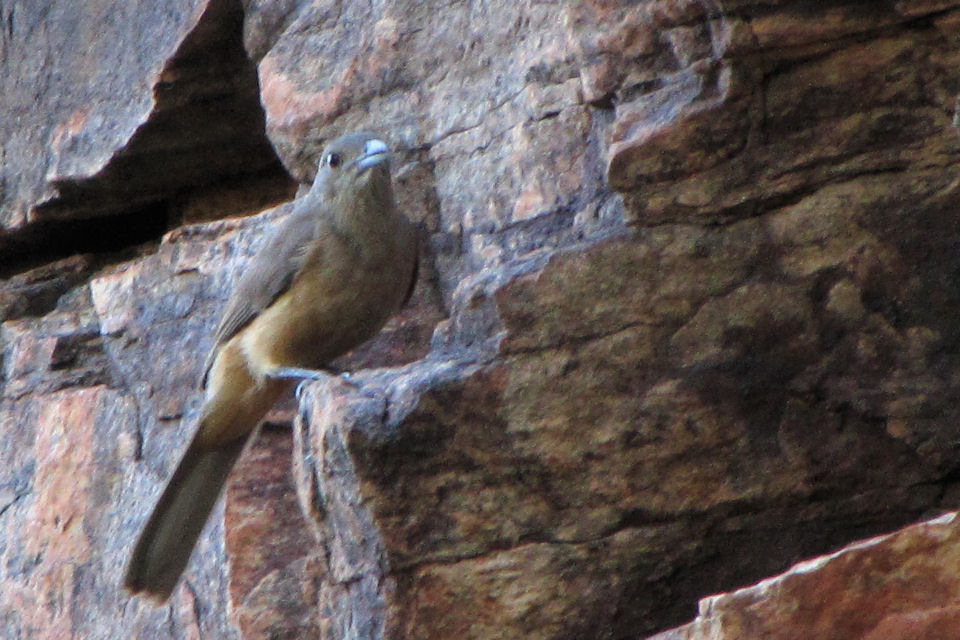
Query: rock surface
[687, 315]
[121, 121]
[902, 586]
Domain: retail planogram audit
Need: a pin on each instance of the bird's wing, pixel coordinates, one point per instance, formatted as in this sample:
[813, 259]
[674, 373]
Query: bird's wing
[268, 274]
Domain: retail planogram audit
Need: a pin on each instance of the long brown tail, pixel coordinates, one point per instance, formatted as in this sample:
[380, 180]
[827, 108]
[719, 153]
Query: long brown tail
[171, 532]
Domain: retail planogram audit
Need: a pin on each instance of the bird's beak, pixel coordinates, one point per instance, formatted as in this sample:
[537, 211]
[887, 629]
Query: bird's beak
[374, 152]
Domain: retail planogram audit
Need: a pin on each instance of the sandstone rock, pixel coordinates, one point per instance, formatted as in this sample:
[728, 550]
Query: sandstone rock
[687, 313]
[630, 438]
[730, 134]
[276, 564]
[123, 117]
[35, 292]
[900, 586]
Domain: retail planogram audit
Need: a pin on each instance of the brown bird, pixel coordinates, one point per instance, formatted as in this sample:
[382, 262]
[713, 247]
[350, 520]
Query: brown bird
[327, 280]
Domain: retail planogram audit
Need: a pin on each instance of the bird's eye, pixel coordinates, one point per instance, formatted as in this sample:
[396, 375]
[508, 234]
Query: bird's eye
[334, 160]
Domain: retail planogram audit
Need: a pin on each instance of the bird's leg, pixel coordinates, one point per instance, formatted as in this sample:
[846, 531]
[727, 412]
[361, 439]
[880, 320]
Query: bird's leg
[305, 375]
[302, 373]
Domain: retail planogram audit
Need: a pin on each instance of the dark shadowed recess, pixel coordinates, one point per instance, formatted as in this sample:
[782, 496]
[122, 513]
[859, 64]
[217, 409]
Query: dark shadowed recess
[202, 150]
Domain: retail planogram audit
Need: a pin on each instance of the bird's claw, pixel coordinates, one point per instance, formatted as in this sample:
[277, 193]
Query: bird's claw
[298, 392]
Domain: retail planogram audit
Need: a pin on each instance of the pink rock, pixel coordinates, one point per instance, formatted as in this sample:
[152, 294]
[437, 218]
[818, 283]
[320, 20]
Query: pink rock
[900, 586]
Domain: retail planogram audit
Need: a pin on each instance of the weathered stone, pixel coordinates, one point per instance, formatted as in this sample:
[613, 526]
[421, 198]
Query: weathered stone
[689, 405]
[731, 138]
[691, 265]
[275, 567]
[900, 586]
[117, 119]
[73, 506]
[522, 112]
[36, 292]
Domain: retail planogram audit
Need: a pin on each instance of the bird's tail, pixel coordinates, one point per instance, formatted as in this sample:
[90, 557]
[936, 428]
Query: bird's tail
[171, 532]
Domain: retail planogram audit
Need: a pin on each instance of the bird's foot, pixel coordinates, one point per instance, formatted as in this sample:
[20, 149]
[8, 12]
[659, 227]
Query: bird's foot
[298, 392]
[307, 375]
[347, 379]
[301, 373]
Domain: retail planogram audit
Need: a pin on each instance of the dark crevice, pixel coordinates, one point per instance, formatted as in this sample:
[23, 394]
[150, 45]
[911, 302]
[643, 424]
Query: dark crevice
[202, 154]
[603, 103]
[49, 241]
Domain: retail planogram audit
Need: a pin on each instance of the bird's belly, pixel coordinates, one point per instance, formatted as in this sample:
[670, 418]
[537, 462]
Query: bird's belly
[319, 319]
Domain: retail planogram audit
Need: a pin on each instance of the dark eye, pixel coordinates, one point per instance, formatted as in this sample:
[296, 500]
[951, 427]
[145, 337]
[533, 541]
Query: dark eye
[334, 160]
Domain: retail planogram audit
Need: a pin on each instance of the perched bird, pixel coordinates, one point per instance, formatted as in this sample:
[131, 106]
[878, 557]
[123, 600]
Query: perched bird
[327, 280]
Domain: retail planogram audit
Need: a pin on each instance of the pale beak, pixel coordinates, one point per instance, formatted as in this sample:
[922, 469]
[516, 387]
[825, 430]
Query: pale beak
[374, 152]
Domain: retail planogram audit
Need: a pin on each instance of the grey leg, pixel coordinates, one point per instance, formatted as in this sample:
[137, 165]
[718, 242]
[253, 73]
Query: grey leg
[298, 372]
[305, 375]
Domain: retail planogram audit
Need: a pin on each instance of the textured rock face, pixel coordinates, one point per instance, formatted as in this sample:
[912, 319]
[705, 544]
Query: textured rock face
[120, 120]
[901, 586]
[687, 316]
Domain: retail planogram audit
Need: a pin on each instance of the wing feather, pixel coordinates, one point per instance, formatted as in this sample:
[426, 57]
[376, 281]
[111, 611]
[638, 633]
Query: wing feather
[268, 274]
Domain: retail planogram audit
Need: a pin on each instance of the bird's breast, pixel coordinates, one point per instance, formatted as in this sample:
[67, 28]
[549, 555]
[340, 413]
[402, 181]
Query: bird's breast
[340, 298]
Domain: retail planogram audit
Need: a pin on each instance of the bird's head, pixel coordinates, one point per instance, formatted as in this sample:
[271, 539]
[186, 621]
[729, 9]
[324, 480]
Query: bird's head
[352, 165]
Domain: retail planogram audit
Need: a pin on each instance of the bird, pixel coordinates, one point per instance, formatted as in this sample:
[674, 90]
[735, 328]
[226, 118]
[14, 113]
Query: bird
[325, 281]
